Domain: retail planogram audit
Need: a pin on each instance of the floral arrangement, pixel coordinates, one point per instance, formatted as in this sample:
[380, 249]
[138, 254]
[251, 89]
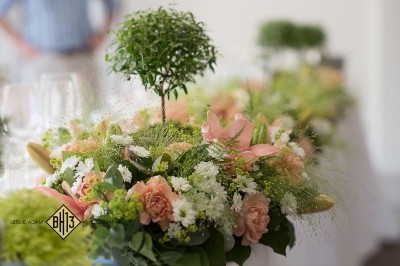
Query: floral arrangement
[173, 194]
[310, 101]
[26, 238]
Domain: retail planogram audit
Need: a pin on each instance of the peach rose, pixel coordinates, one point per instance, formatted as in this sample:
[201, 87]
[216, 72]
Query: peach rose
[156, 197]
[253, 218]
[88, 182]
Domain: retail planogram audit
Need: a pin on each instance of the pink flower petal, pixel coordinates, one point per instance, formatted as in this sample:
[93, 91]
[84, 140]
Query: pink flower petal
[263, 149]
[77, 209]
[212, 129]
[245, 128]
[249, 157]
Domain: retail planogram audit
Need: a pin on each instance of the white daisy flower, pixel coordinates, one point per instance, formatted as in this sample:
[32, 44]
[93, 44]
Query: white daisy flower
[183, 212]
[77, 184]
[180, 184]
[246, 185]
[174, 229]
[237, 202]
[126, 174]
[207, 169]
[70, 162]
[139, 151]
[98, 211]
[289, 204]
[84, 167]
[122, 140]
[51, 179]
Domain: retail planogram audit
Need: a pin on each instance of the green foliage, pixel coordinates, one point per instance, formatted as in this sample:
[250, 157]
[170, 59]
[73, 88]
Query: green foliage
[56, 137]
[238, 253]
[280, 233]
[311, 36]
[38, 244]
[278, 34]
[165, 47]
[285, 34]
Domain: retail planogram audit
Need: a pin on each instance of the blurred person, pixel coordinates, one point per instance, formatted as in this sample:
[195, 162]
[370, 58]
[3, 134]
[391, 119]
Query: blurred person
[57, 37]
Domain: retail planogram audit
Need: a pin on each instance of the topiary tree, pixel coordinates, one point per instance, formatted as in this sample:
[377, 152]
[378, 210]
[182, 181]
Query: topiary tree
[165, 47]
[278, 34]
[311, 36]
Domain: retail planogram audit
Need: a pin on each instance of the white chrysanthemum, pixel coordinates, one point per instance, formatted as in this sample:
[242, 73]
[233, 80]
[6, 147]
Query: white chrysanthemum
[52, 179]
[299, 151]
[245, 184]
[207, 169]
[126, 174]
[98, 211]
[84, 167]
[215, 208]
[289, 204]
[183, 212]
[139, 151]
[237, 202]
[70, 162]
[77, 184]
[174, 229]
[122, 140]
[217, 152]
[180, 184]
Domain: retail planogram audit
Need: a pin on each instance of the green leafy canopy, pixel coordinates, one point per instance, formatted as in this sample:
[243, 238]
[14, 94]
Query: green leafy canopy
[165, 47]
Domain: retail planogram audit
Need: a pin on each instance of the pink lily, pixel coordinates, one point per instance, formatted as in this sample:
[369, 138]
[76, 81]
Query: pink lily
[243, 130]
[72, 203]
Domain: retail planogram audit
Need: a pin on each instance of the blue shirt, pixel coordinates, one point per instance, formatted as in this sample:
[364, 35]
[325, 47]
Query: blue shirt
[56, 25]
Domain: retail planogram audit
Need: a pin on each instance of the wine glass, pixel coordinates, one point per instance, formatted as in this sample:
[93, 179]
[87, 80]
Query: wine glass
[61, 101]
[19, 105]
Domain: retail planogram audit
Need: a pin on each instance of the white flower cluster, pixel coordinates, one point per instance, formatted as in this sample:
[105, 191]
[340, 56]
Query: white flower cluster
[121, 139]
[279, 136]
[139, 151]
[245, 184]
[126, 174]
[180, 184]
[206, 169]
[69, 163]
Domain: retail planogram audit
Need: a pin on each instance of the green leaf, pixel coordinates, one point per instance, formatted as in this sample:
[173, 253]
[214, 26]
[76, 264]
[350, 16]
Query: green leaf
[163, 158]
[170, 257]
[192, 259]
[114, 176]
[238, 253]
[143, 244]
[117, 236]
[69, 176]
[280, 238]
[105, 187]
[214, 247]
[204, 260]
[141, 168]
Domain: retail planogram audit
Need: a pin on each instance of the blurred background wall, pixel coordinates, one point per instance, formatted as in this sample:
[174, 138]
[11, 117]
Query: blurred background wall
[366, 33]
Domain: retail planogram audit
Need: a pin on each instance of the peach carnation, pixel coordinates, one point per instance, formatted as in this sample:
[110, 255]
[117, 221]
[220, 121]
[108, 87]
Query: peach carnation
[156, 197]
[253, 218]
